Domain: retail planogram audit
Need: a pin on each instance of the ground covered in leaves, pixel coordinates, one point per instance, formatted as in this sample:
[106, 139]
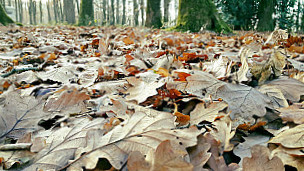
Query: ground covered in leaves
[89, 98]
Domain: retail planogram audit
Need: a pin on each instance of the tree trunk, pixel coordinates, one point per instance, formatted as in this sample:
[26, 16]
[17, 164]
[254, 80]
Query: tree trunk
[265, 13]
[31, 11]
[86, 16]
[77, 5]
[166, 10]
[69, 11]
[4, 18]
[16, 8]
[195, 14]
[135, 12]
[55, 11]
[142, 9]
[34, 12]
[153, 14]
[61, 11]
[117, 11]
[49, 11]
[20, 5]
[41, 13]
[112, 13]
[104, 10]
[298, 16]
[123, 20]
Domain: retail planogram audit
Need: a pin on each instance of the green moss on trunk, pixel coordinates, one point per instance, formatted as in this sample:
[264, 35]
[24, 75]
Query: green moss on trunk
[195, 14]
[265, 12]
[4, 18]
[86, 16]
[153, 16]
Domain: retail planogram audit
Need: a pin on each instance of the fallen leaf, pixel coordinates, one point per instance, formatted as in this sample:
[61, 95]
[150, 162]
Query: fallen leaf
[129, 136]
[261, 160]
[297, 140]
[294, 113]
[287, 159]
[166, 157]
[199, 154]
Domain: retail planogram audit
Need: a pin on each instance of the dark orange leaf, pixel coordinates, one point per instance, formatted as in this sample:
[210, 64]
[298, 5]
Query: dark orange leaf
[182, 76]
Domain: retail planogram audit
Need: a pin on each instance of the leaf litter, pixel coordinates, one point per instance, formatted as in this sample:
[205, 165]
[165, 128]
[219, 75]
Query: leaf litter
[106, 98]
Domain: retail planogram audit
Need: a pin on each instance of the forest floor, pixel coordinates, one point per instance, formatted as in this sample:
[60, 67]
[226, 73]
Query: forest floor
[100, 98]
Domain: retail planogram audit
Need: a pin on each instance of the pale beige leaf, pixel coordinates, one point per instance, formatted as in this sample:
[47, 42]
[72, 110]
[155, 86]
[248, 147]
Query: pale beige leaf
[64, 74]
[140, 133]
[284, 138]
[261, 161]
[275, 94]
[199, 154]
[62, 144]
[202, 112]
[287, 159]
[294, 113]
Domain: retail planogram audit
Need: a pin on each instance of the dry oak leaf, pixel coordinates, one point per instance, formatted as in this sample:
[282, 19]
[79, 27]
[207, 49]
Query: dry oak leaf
[284, 138]
[288, 159]
[139, 133]
[294, 113]
[165, 158]
[199, 83]
[261, 161]
[63, 143]
[204, 112]
[70, 99]
[19, 115]
[63, 74]
[243, 149]
[292, 89]
[275, 94]
[199, 154]
[244, 102]
[141, 90]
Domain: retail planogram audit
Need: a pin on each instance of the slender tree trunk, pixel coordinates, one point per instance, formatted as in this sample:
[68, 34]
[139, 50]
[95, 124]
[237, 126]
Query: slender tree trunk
[135, 12]
[41, 13]
[61, 11]
[108, 12]
[69, 11]
[117, 12]
[142, 9]
[4, 18]
[123, 21]
[17, 10]
[31, 11]
[104, 10]
[86, 15]
[112, 13]
[166, 10]
[195, 14]
[265, 12]
[77, 5]
[49, 11]
[153, 17]
[34, 12]
[55, 11]
[298, 16]
[20, 5]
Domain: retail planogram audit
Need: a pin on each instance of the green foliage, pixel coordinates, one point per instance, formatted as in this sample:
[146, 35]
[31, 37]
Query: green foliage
[239, 13]
[285, 13]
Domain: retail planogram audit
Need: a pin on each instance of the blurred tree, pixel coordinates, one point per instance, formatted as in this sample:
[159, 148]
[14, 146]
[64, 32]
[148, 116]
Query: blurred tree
[117, 12]
[196, 14]
[4, 18]
[86, 15]
[153, 14]
[112, 19]
[166, 10]
[123, 20]
[142, 9]
[135, 12]
[69, 11]
[265, 14]
[285, 13]
[240, 13]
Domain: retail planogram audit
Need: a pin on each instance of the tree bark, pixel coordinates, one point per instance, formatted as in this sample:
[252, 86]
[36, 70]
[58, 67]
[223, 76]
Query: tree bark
[123, 20]
[166, 10]
[112, 13]
[41, 13]
[135, 12]
[20, 5]
[195, 14]
[117, 12]
[142, 9]
[265, 12]
[153, 14]
[77, 5]
[17, 10]
[86, 16]
[4, 18]
[49, 11]
[69, 11]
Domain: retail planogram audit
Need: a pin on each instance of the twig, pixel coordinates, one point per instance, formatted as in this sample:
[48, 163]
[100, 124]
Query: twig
[13, 71]
[18, 146]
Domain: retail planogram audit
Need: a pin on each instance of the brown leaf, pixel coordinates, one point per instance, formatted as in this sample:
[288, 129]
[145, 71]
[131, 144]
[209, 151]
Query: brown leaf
[287, 159]
[261, 161]
[166, 157]
[294, 113]
[199, 154]
[70, 99]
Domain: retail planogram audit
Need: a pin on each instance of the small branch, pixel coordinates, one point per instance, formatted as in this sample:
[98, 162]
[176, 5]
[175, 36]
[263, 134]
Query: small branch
[19, 146]
[13, 71]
